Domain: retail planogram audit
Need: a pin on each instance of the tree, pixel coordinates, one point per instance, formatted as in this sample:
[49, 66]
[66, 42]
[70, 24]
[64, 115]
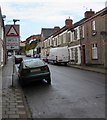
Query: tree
[33, 44]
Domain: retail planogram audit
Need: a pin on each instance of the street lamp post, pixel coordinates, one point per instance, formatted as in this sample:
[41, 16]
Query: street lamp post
[15, 20]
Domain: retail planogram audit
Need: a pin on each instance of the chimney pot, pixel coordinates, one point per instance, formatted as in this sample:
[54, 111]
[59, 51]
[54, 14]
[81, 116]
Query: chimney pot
[56, 29]
[68, 22]
[89, 13]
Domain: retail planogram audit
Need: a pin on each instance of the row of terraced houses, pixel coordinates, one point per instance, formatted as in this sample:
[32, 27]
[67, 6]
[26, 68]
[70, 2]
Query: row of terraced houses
[86, 39]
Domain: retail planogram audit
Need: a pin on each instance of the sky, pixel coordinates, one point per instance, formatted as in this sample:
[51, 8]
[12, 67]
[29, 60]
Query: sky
[37, 14]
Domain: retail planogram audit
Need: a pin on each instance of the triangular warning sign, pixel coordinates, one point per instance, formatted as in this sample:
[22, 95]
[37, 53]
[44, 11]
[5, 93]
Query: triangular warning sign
[12, 31]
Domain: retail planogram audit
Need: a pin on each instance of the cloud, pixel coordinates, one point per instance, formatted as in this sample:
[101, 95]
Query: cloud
[33, 9]
[41, 13]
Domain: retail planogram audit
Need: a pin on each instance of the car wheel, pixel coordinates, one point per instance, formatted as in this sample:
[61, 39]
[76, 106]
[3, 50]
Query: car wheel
[65, 64]
[49, 81]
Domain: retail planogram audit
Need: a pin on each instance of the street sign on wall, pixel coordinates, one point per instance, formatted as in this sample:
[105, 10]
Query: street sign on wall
[12, 37]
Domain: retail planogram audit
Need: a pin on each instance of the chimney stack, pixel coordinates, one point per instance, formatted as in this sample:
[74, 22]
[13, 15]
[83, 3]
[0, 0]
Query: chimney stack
[56, 29]
[89, 13]
[68, 22]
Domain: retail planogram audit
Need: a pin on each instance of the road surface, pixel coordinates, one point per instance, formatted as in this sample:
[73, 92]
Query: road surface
[74, 93]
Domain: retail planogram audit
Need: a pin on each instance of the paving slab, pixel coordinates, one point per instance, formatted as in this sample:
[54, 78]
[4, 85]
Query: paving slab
[14, 103]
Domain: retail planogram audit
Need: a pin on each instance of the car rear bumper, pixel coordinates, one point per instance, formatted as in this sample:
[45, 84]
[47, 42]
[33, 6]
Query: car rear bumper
[35, 78]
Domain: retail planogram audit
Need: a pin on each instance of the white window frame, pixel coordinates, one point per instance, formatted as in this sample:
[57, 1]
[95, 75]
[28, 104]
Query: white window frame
[54, 41]
[69, 36]
[78, 32]
[94, 51]
[93, 25]
[51, 42]
[64, 37]
[73, 37]
[59, 40]
[82, 31]
[48, 42]
[72, 54]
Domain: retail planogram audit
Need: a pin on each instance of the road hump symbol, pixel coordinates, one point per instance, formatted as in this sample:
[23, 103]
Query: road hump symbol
[12, 31]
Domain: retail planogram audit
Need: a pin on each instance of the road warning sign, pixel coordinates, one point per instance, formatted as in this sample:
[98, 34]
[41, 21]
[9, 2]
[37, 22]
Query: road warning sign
[12, 31]
[12, 35]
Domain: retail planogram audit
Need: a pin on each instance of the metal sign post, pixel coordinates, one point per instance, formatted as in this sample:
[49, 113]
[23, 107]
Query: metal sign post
[13, 67]
[12, 42]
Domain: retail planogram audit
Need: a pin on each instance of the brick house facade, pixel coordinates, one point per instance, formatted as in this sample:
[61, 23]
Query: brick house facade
[93, 43]
[86, 39]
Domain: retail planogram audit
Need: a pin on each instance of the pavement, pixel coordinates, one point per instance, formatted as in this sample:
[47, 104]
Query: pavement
[93, 68]
[14, 103]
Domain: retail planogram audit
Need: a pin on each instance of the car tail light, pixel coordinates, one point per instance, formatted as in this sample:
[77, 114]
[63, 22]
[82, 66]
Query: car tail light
[45, 68]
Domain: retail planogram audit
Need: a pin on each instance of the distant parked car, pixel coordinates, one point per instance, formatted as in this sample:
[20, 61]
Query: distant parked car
[44, 59]
[33, 69]
[18, 60]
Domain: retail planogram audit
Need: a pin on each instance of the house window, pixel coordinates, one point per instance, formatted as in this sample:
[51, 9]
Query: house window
[51, 44]
[72, 55]
[54, 41]
[82, 31]
[64, 38]
[93, 28]
[72, 36]
[49, 41]
[75, 34]
[68, 36]
[94, 51]
[76, 54]
[93, 25]
[59, 40]
[78, 33]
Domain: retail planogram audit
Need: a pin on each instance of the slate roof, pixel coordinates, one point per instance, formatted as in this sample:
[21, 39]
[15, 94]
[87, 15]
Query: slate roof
[76, 24]
[46, 32]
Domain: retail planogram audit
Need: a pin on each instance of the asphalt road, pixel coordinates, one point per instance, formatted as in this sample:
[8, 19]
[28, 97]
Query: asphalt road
[74, 93]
